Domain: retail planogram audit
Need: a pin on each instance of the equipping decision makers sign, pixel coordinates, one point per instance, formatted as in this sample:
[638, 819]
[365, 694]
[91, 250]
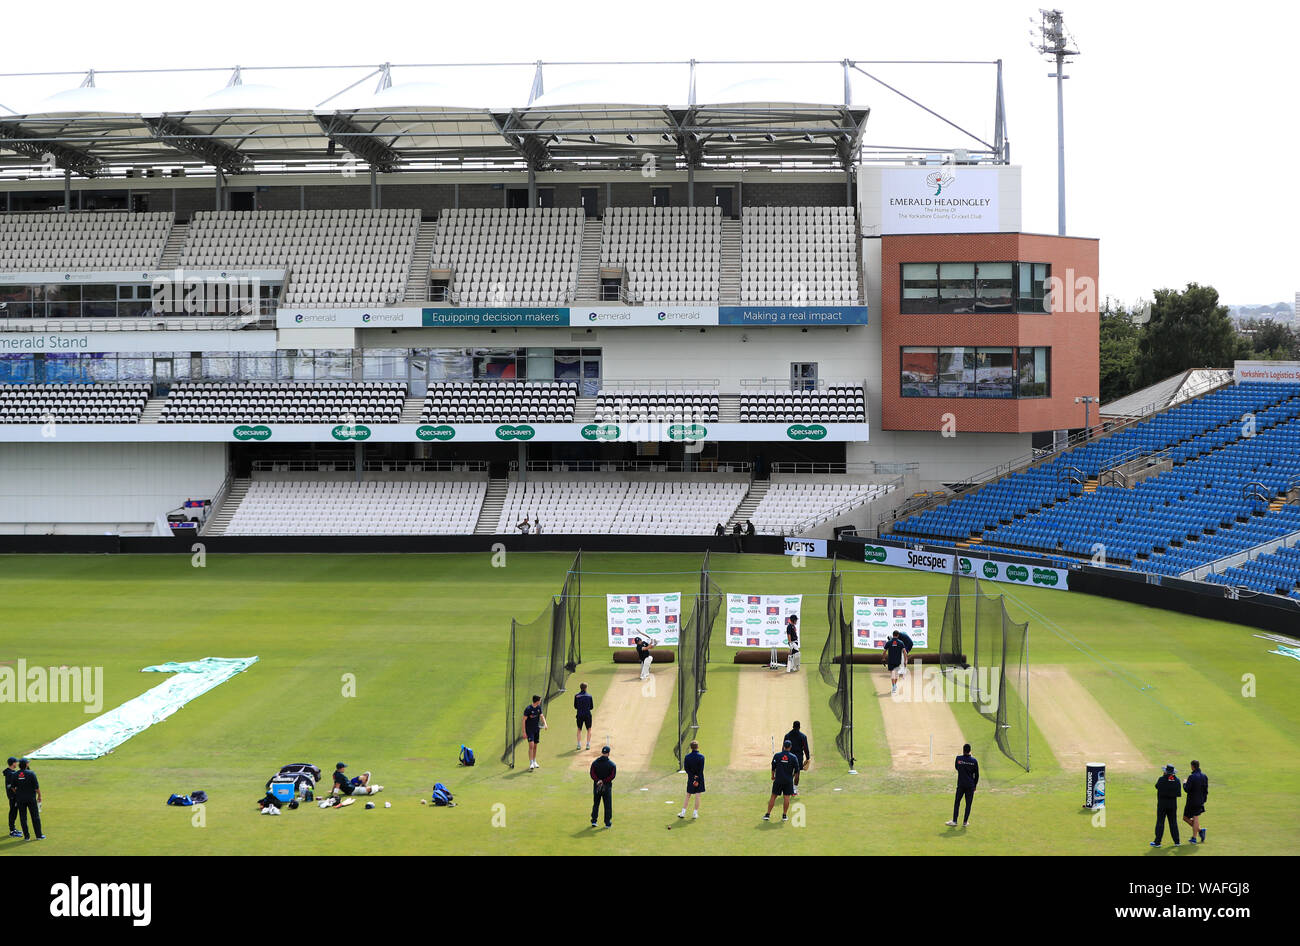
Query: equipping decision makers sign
[876, 619]
[759, 620]
[657, 616]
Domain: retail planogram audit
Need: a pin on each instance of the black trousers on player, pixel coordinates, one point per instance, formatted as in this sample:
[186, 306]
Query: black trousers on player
[1170, 812]
[969, 795]
[26, 807]
[606, 794]
[13, 813]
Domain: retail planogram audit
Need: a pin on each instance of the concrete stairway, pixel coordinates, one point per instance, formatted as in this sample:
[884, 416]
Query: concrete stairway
[729, 264]
[757, 490]
[411, 408]
[171, 254]
[417, 277]
[584, 410]
[493, 502]
[220, 517]
[152, 410]
[728, 408]
[589, 262]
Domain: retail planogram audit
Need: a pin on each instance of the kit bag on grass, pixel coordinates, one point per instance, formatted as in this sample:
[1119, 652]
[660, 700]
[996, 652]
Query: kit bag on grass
[442, 796]
[466, 755]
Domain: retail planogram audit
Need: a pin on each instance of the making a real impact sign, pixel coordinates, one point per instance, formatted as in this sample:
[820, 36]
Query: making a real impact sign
[759, 620]
[658, 617]
[876, 619]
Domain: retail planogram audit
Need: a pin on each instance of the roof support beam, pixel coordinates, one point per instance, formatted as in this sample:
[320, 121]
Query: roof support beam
[360, 142]
[14, 138]
[690, 144]
[185, 139]
[847, 144]
[524, 139]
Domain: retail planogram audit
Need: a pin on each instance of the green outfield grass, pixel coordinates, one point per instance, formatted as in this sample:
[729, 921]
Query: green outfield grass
[426, 637]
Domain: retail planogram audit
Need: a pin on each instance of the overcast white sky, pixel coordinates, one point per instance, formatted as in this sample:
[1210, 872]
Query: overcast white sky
[1181, 118]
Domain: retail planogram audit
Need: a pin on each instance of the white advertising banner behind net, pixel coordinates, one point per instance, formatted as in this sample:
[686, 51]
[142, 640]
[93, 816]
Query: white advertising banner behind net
[658, 617]
[759, 620]
[875, 619]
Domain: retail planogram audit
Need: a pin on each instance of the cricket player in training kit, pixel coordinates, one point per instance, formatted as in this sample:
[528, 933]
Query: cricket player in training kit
[534, 723]
[27, 792]
[354, 786]
[1197, 788]
[11, 772]
[968, 779]
[1168, 791]
[603, 771]
[643, 655]
[792, 642]
[798, 741]
[582, 706]
[784, 766]
[895, 654]
[693, 766]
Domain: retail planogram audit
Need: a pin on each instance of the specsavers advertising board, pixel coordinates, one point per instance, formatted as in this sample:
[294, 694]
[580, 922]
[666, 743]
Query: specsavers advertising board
[990, 569]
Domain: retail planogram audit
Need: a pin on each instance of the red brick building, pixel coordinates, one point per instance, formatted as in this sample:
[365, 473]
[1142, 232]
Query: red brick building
[966, 331]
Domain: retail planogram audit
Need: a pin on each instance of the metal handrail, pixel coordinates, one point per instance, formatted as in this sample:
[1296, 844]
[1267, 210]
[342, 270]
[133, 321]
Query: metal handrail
[668, 384]
[1064, 476]
[871, 467]
[629, 466]
[859, 500]
[218, 498]
[425, 466]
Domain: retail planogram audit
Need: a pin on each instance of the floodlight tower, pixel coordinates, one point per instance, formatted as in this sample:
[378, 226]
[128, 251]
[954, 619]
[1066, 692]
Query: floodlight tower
[1055, 43]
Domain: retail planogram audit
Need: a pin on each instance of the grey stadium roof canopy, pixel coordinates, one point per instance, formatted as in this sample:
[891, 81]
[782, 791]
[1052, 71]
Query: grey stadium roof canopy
[600, 124]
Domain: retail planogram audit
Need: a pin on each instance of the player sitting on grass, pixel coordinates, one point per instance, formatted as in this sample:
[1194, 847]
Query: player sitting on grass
[356, 786]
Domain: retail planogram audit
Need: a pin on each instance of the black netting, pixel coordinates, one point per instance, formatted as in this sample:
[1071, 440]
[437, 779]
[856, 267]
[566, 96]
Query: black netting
[999, 675]
[1013, 707]
[836, 664]
[688, 664]
[531, 659]
[571, 600]
[986, 656]
[693, 658]
[952, 652]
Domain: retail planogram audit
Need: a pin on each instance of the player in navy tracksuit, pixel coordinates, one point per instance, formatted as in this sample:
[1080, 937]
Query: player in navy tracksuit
[27, 792]
[693, 766]
[798, 741]
[11, 770]
[968, 779]
[895, 654]
[582, 706]
[1197, 788]
[603, 771]
[1168, 791]
[784, 764]
[907, 645]
[534, 721]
